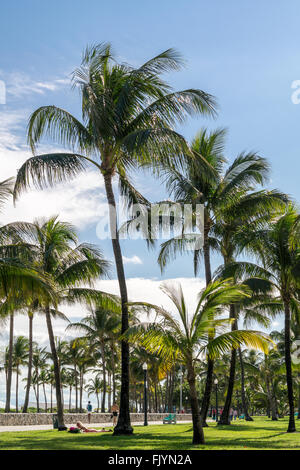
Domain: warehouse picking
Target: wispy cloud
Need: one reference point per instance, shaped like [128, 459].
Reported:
[80, 201]
[19, 85]
[133, 260]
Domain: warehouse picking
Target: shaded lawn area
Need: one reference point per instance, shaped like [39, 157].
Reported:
[260, 434]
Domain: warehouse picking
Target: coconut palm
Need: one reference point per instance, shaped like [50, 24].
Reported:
[187, 339]
[277, 248]
[39, 362]
[222, 191]
[99, 327]
[67, 265]
[20, 356]
[95, 387]
[128, 118]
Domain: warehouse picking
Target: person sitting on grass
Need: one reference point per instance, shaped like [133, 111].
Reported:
[84, 429]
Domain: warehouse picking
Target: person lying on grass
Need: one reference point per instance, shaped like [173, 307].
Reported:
[84, 429]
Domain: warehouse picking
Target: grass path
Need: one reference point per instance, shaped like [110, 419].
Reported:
[260, 434]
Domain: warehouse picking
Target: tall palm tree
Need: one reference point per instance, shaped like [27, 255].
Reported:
[94, 387]
[128, 118]
[187, 339]
[20, 356]
[39, 362]
[68, 266]
[277, 248]
[100, 327]
[29, 366]
[19, 280]
[222, 191]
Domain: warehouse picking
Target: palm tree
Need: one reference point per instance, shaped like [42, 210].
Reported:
[222, 193]
[187, 339]
[29, 366]
[95, 386]
[67, 265]
[277, 248]
[20, 356]
[19, 280]
[100, 327]
[39, 362]
[128, 118]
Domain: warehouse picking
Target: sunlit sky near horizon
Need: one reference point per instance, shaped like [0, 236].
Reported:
[245, 53]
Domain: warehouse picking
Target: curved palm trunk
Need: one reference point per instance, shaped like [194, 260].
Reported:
[29, 371]
[123, 425]
[60, 411]
[10, 362]
[198, 435]
[225, 419]
[243, 394]
[288, 364]
[210, 362]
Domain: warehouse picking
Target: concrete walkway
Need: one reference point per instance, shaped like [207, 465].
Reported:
[45, 427]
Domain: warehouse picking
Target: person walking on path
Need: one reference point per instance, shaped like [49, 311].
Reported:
[115, 411]
[89, 410]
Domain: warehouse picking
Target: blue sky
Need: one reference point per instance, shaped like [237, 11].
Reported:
[245, 53]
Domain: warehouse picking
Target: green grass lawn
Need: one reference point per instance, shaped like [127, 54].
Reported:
[260, 434]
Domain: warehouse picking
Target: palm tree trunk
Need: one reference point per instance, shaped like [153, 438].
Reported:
[17, 390]
[123, 425]
[76, 388]
[26, 401]
[113, 374]
[225, 419]
[80, 390]
[210, 362]
[243, 394]
[288, 363]
[10, 362]
[60, 411]
[37, 392]
[198, 435]
[104, 379]
[45, 397]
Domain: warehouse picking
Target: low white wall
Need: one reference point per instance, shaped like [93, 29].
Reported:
[20, 419]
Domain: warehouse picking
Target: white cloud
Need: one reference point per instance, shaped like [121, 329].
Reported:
[81, 201]
[139, 290]
[19, 85]
[133, 260]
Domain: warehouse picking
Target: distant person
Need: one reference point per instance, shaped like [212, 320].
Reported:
[115, 411]
[231, 414]
[235, 413]
[89, 410]
[84, 429]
